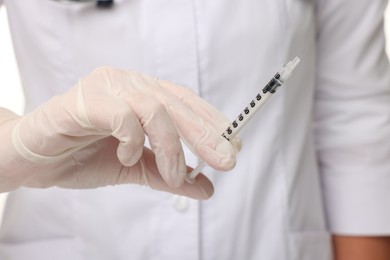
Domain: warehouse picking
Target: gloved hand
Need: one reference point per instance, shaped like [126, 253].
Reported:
[94, 135]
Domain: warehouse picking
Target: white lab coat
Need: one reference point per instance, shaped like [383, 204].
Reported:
[316, 157]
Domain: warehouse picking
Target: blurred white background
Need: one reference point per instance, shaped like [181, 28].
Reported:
[11, 95]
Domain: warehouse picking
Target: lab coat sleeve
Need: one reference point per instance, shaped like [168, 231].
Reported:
[352, 116]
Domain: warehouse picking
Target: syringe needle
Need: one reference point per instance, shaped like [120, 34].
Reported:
[278, 80]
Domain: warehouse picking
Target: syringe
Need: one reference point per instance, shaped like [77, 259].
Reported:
[278, 80]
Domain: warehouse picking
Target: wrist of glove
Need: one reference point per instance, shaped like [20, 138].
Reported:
[94, 136]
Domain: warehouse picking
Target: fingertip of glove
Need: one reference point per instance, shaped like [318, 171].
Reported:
[128, 158]
[173, 177]
[204, 186]
[172, 168]
[236, 143]
[227, 155]
[175, 181]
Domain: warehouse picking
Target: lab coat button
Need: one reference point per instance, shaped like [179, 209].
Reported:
[180, 203]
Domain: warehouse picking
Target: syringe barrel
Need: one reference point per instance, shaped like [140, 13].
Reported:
[243, 118]
[278, 80]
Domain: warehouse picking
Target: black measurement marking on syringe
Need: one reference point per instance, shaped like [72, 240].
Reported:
[229, 131]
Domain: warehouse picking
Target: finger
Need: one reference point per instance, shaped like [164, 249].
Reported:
[200, 137]
[98, 166]
[202, 108]
[156, 123]
[110, 114]
[146, 173]
[166, 145]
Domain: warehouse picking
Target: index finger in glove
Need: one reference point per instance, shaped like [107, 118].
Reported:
[199, 135]
[202, 108]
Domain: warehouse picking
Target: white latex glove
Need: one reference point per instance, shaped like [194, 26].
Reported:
[94, 135]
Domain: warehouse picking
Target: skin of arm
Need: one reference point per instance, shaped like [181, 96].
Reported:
[361, 248]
